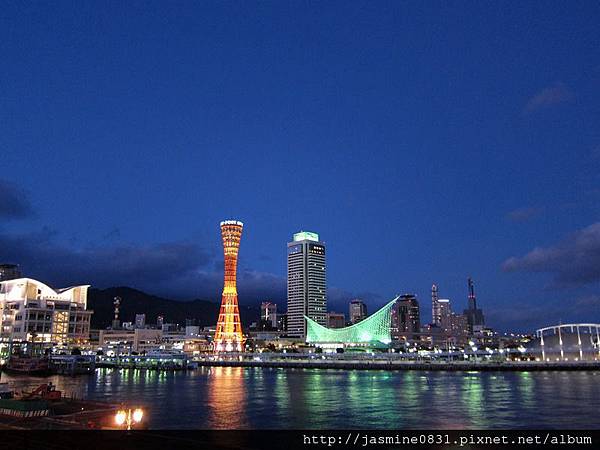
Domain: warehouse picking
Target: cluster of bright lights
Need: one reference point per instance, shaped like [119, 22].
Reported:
[129, 417]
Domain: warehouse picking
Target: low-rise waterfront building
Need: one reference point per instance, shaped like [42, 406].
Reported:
[31, 311]
[138, 340]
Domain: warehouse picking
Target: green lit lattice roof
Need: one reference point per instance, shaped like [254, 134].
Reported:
[374, 329]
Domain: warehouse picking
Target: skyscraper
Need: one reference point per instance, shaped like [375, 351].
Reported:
[474, 315]
[306, 283]
[445, 309]
[358, 311]
[407, 317]
[436, 317]
[268, 313]
[228, 335]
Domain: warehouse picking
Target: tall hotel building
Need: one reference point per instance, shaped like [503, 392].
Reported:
[306, 286]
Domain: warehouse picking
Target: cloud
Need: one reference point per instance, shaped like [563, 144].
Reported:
[524, 214]
[178, 270]
[41, 256]
[547, 97]
[575, 261]
[14, 202]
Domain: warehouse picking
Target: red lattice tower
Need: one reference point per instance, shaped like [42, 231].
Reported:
[229, 337]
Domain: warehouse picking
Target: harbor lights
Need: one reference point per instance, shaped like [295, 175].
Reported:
[128, 417]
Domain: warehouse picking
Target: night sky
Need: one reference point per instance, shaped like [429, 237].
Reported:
[424, 141]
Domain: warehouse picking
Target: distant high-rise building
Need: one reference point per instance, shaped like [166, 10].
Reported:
[9, 272]
[140, 320]
[336, 320]
[268, 313]
[282, 322]
[474, 315]
[436, 318]
[453, 326]
[445, 309]
[358, 311]
[306, 283]
[160, 320]
[407, 317]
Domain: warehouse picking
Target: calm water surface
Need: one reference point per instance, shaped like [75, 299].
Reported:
[235, 397]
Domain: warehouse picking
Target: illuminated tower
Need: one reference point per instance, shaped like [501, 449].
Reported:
[228, 336]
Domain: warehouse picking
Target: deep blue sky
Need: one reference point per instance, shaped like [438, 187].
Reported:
[424, 141]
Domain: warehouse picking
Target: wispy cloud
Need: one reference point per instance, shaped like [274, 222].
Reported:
[575, 261]
[14, 202]
[524, 214]
[559, 93]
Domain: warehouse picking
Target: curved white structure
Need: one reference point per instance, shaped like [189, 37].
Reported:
[580, 340]
[32, 311]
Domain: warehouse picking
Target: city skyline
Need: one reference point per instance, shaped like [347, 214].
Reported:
[422, 144]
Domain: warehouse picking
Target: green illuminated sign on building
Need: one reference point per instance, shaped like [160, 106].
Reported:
[306, 236]
[375, 329]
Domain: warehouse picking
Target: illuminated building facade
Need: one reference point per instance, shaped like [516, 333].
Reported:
[454, 327]
[34, 312]
[374, 331]
[228, 335]
[436, 314]
[306, 283]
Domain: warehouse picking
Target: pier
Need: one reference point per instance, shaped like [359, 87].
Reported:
[397, 364]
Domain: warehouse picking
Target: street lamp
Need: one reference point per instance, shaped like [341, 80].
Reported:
[127, 417]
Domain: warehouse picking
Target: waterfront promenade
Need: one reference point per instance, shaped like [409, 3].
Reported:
[386, 362]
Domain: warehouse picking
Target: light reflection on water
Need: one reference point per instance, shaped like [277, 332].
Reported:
[234, 397]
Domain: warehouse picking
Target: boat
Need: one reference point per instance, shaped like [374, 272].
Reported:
[28, 365]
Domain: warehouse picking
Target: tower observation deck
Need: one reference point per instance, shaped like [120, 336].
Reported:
[228, 336]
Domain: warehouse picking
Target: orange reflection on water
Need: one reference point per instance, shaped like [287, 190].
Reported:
[227, 398]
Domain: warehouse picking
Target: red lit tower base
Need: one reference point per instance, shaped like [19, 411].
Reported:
[228, 336]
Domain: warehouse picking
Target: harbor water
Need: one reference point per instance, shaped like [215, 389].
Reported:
[249, 398]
